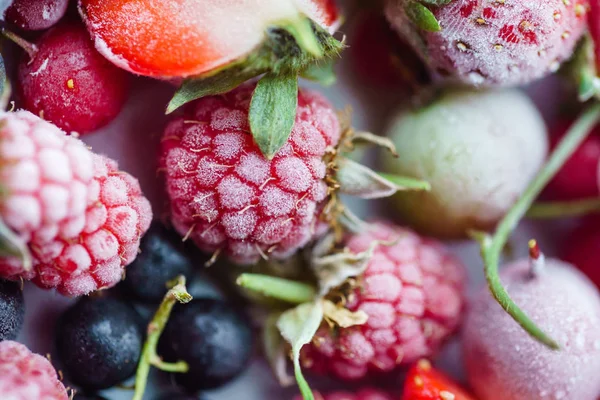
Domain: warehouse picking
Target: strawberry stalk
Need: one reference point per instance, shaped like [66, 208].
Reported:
[491, 246]
[177, 293]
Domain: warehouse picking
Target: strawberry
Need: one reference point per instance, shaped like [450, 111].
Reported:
[425, 383]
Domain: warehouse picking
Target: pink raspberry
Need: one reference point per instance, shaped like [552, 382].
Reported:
[116, 217]
[412, 292]
[25, 375]
[227, 197]
[489, 42]
[364, 394]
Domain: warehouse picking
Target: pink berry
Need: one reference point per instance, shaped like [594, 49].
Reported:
[578, 177]
[26, 376]
[227, 197]
[581, 248]
[484, 42]
[504, 363]
[34, 15]
[80, 216]
[69, 83]
[412, 292]
[364, 394]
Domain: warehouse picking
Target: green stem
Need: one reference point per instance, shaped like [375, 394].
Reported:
[491, 247]
[562, 209]
[302, 31]
[278, 288]
[177, 293]
[30, 48]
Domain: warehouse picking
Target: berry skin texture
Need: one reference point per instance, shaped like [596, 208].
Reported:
[25, 375]
[491, 43]
[364, 394]
[412, 292]
[477, 149]
[578, 177]
[227, 197]
[34, 15]
[69, 83]
[12, 310]
[212, 337]
[425, 383]
[162, 258]
[124, 31]
[116, 216]
[99, 342]
[504, 363]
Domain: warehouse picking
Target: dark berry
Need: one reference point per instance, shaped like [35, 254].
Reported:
[162, 258]
[212, 337]
[69, 83]
[578, 177]
[99, 342]
[582, 249]
[88, 397]
[33, 15]
[12, 310]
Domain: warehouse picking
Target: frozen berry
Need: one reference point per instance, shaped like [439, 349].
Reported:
[91, 252]
[162, 258]
[425, 383]
[413, 294]
[33, 15]
[69, 83]
[27, 376]
[227, 197]
[504, 363]
[578, 177]
[214, 34]
[12, 310]
[214, 339]
[478, 150]
[364, 394]
[494, 42]
[99, 342]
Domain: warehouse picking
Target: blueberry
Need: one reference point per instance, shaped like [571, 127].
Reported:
[12, 310]
[212, 337]
[99, 341]
[162, 258]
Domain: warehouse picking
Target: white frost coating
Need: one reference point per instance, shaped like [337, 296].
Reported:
[42, 67]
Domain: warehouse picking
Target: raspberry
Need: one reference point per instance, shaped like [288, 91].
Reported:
[25, 375]
[45, 177]
[496, 42]
[227, 197]
[412, 292]
[364, 394]
[116, 217]
[33, 15]
[69, 83]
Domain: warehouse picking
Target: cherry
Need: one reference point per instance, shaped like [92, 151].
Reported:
[69, 83]
[581, 249]
[33, 15]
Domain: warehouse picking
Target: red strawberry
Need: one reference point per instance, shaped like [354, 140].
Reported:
[425, 383]
[483, 42]
[195, 36]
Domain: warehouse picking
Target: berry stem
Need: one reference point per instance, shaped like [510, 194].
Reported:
[491, 247]
[563, 209]
[177, 293]
[301, 29]
[278, 288]
[30, 48]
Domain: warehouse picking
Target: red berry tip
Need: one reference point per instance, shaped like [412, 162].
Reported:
[534, 249]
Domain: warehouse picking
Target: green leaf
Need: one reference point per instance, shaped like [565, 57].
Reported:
[406, 183]
[13, 246]
[221, 82]
[302, 31]
[278, 288]
[582, 69]
[298, 327]
[320, 72]
[275, 350]
[273, 111]
[421, 16]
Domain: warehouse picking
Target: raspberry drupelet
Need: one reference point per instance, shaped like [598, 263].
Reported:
[412, 293]
[227, 197]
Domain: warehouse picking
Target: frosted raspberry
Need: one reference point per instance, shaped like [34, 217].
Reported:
[116, 217]
[488, 42]
[364, 394]
[412, 292]
[45, 178]
[226, 196]
[25, 375]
